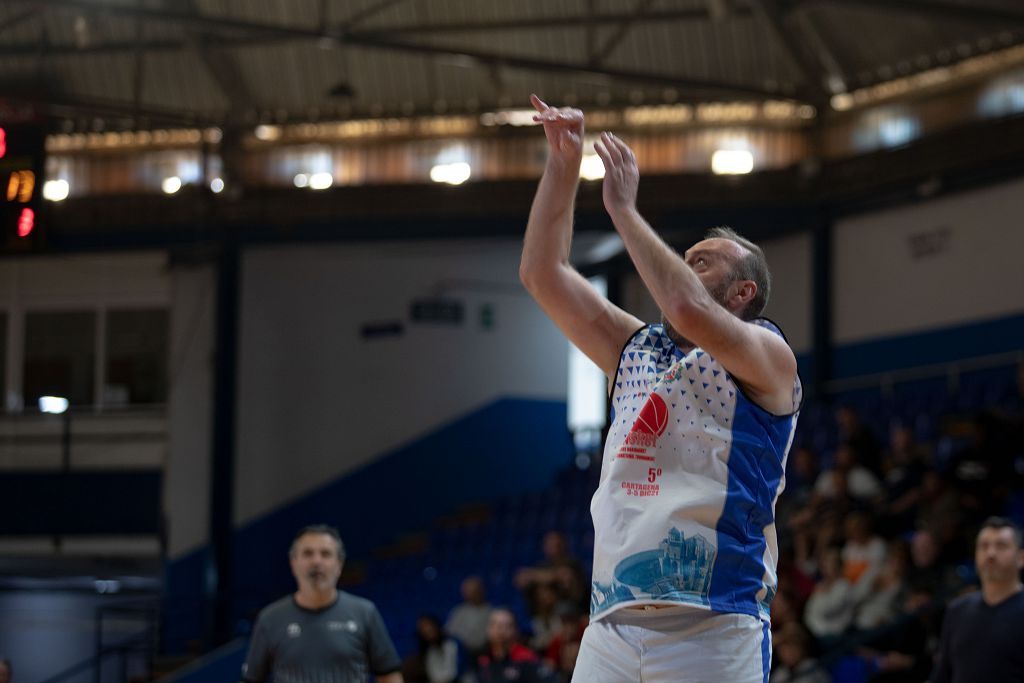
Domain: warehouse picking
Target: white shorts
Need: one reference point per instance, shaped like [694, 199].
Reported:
[674, 645]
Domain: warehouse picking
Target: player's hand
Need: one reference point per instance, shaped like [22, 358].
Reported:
[621, 174]
[563, 127]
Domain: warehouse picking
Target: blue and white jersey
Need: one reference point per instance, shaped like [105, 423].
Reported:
[685, 511]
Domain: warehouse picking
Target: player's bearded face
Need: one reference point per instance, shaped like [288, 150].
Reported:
[719, 291]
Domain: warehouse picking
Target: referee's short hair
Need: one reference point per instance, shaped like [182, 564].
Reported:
[325, 529]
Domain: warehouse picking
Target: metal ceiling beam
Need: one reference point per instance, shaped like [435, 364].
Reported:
[386, 42]
[604, 52]
[19, 18]
[229, 23]
[72, 106]
[933, 8]
[221, 65]
[811, 70]
[547, 66]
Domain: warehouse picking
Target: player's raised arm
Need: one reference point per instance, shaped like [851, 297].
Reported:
[591, 322]
[702, 296]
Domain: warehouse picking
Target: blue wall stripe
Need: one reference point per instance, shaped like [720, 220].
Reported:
[1001, 335]
[509, 447]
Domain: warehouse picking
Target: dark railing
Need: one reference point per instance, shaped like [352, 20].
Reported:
[140, 648]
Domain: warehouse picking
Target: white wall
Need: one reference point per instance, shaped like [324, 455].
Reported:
[316, 400]
[947, 261]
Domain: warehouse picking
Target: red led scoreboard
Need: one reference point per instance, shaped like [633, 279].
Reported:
[22, 164]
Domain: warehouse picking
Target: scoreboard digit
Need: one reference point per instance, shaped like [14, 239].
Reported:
[22, 164]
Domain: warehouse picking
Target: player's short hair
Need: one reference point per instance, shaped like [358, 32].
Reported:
[1003, 523]
[753, 267]
[325, 529]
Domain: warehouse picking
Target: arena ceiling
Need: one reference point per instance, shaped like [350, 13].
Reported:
[140, 63]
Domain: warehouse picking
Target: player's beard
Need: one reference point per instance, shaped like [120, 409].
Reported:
[719, 293]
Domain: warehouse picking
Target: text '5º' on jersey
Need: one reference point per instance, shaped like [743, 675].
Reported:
[685, 510]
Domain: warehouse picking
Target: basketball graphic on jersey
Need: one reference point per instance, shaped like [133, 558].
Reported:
[653, 417]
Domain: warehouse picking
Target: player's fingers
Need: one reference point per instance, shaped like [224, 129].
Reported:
[623, 148]
[602, 152]
[538, 103]
[614, 153]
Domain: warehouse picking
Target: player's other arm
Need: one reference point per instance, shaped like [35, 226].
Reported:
[761, 360]
[591, 322]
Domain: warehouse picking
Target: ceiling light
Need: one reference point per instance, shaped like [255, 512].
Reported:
[171, 185]
[56, 190]
[732, 162]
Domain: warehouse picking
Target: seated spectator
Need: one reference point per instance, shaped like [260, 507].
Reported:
[939, 512]
[903, 466]
[929, 575]
[505, 659]
[863, 442]
[861, 483]
[793, 656]
[863, 553]
[883, 602]
[468, 620]
[829, 611]
[560, 655]
[5, 671]
[558, 569]
[544, 621]
[437, 657]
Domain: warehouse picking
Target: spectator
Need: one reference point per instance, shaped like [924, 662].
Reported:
[468, 620]
[437, 657]
[882, 603]
[5, 670]
[861, 440]
[564, 645]
[939, 510]
[793, 654]
[829, 610]
[558, 569]
[903, 465]
[862, 484]
[981, 634]
[506, 659]
[863, 553]
[544, 622]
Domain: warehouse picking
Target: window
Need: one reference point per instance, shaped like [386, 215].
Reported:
[136, 358]
[60, 352]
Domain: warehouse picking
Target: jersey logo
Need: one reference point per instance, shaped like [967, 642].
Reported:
[649, 425]
[294, 630]
[349, 626]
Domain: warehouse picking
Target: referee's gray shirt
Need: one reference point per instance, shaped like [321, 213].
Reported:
[340, 643]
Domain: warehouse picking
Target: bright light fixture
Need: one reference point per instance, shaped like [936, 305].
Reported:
[171, 185]
[268, 133]
[301, 180]
[53, 404]
[320, 181]
[452, 174]
[217, 185]
[592, 167]
[732, 162]
[56, 190]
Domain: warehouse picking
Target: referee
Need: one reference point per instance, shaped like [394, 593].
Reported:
[320, 634]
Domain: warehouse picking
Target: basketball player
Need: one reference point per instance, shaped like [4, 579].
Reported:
[703, 408]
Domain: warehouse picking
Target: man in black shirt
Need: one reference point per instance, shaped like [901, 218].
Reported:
[981, 634]
[320, 634]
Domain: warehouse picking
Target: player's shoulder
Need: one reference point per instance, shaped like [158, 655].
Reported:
[771, 326]
[652, 336]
